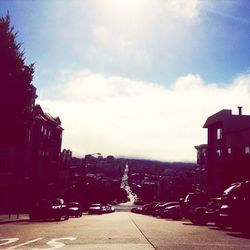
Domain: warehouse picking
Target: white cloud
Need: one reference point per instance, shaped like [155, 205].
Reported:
[121, 116]
[127, 31]
[182, 9]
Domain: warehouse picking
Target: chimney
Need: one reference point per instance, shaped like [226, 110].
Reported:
[240, 110]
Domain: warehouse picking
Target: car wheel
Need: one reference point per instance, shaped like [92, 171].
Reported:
[245, 229]
[199, 217]
[33, 217]
[200, 220]
[66, 217]
[58, 218]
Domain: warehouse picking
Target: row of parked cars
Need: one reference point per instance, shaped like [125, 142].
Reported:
[230, 209]
[98, 208]
[55, 209]
[170, 210]
[58, 209]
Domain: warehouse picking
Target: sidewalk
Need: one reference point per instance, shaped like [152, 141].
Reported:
[9, 218]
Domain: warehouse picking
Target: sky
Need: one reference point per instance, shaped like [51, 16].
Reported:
[136, 78]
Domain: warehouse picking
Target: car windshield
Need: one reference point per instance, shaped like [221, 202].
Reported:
[95, 205]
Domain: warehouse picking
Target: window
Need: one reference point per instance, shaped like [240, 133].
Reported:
[247, 150]
[219, 133]
[29, 135]
[218, 152]
[229, 151]
[42, 128]
[204, 152]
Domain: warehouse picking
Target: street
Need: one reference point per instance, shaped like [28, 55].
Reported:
[119, 230]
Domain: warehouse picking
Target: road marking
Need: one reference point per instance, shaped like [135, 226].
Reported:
[141, 232]
[25, 243]
[109, 247]
[55, 244]
[8, 241]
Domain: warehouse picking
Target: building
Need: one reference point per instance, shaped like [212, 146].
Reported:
[200, 170]
[228, 149]
[45, 153]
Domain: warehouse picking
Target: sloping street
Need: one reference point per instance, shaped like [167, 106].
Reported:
[119, 230]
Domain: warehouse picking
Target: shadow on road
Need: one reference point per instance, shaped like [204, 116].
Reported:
[13, 221]
[239, 235]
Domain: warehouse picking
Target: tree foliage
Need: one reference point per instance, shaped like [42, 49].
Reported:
[17, 94]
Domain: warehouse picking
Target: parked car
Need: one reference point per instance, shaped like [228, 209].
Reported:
[191, 202]
[109, 208]
[104, 209]
[208, 213]
[155, 207]
[235, 206]
[140, 210]
[159, 209]
[151, 207]
[49, 209]
[172, 212]
[75, 209]
[95, 208]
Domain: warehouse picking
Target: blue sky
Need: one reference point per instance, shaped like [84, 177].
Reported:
[100, 63]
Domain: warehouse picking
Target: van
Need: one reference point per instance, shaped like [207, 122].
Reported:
[235, 207]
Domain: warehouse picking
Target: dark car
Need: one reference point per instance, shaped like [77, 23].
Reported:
[107, 208]
[172, 212]
[75, 209]
[209, 213]
[95, 208]
[191, 202]
[156, 207]
[49, 209]
[140, 210]
[149, 209]
[235, 207]
[159, 209]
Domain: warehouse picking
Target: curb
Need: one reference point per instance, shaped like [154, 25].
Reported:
[10, 218]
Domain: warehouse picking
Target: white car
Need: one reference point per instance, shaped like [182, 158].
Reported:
[95, 208]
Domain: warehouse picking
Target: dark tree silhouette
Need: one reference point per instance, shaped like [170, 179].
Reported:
[17, 94]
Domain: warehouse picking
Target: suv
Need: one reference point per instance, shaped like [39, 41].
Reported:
[49, 209]
[191, 202]
[235, 207]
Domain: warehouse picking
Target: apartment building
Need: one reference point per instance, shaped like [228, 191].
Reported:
[228, 149]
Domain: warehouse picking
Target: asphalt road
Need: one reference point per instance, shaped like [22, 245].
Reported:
[118, 231]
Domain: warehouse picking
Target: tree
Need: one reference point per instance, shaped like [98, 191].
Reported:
[17, 94]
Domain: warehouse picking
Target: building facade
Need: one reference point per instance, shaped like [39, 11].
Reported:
[31, 169]
[45, 153]
[228, 149]
[200, 170]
